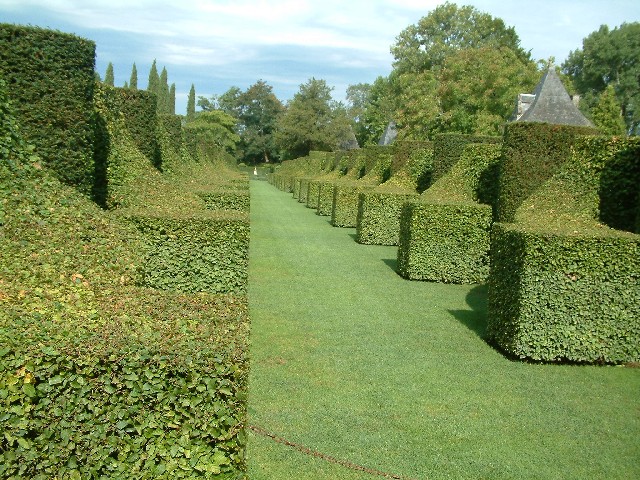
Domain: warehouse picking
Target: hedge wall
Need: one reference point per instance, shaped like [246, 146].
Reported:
[563, 285]
[50, 77]
[207, 253]
[378, 218]
[532, 153]
[226, 200]
[377, 169]
[100, 378]
[444, 237]
[346, 162]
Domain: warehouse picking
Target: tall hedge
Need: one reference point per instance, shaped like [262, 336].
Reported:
[447, 148]
[50, 77]
[563, 284]
[532, 153]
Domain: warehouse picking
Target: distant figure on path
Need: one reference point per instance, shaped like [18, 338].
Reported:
[255, 171]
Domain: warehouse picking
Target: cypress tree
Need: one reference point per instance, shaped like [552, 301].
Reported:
[172, 99]
[126, 84]
[133, 81]
[163, 92]
[108, 77]
[607, 113]
[154, 79]
[191, 103]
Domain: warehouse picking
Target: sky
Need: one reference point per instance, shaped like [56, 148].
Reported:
[217, 44]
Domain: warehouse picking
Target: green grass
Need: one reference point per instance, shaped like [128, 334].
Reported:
[350, 360]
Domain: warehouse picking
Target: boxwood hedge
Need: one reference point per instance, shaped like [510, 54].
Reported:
[50, 77]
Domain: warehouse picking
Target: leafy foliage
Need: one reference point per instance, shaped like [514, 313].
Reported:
[52, 94]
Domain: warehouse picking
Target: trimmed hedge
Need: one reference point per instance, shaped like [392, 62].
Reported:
[227, 200]
[563, 285]
[378, 219]
[447, 148]
[345, 164]
[445, 236]
[50, 78]
[569, 297]
[377, 168]
[532, 153]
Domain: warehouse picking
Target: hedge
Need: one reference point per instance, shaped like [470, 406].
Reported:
[376, 167]
[50, 78]
[444, 236]
[532, 153]
[378, 219]
[447, 148]
[333, 170]
[345, 164]
[100, 378]
[564, 285]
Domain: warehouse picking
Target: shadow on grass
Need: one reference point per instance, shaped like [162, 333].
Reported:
[392, 263]
[476, 318]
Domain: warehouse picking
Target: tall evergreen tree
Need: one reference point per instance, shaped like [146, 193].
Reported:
[154, 79]
[607, 113]
[191, 103]
[108, 76]
[126, 84]
[133, 81]
[163, 92]
[172, 99]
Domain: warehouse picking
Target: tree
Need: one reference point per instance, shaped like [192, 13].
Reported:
[382, 108]
[133, 80]
[258, 110]
[609, 57]
[154, 79]
[172, 99]
[478, 87]
[214, 129]
[108, 76]
[419, 106]
[311, 121]
[607, 113]
[358, 97]
[163, 92]
[448, 28]
[228, 102]
[191, 103]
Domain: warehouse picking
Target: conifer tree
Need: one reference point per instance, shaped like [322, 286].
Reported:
[133, 81]
[607, 113]
[154, 79]
[172, 99]
[108, 76]
[126, 84]
[163, 92]
[191, 103]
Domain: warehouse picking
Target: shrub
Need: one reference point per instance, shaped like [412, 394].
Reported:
[563, 285]
[378, 219]
[346, 162]
[444, 236]
[447, 148]
[50, 77]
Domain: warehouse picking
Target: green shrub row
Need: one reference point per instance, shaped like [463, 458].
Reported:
[563, 285]
[345, 163]
[445, 235]
[447, 148]
[227, 200]
[378, 219]
[376, 166]
[50, 77]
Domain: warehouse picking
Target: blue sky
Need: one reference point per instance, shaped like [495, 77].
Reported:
[216, 44]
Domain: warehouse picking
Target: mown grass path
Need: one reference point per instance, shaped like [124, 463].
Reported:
[353, 362]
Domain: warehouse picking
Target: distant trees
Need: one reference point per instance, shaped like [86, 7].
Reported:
[609, 58]
[133, 80]
[191, 103]
[108, 76]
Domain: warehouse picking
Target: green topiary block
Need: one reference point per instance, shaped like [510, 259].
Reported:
[573, 297]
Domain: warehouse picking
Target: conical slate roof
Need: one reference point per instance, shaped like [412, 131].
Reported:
[389, 135]
[553, 104]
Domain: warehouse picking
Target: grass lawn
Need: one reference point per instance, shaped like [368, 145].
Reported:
[352, 361]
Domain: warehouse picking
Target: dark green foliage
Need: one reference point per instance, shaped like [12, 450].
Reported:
[154, 79]
[172, 124]
[108, 76]
[191, 103]
[444, 242]
[203, 254]
[376, 168]
[565, 297]
[563, 285]
[378, 220]
[50, 77]
[233, 200]
[133, 81]
[532, 153]
[447, 148]
[444, 236]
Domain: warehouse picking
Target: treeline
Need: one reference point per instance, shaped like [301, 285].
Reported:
[457, 70]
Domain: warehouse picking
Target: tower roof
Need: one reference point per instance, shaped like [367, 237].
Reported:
[553, 104]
